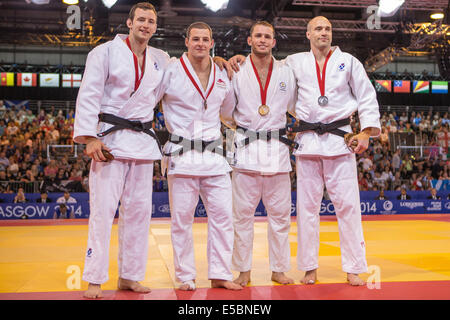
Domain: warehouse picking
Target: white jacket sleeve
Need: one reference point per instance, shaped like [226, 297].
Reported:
[293, 92]
[228, 106]
[91, 93]
[364, 92]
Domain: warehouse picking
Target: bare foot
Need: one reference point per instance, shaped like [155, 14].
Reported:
[230, 285]
[124, 284]
[281, 278]
[310, 277]
[243, 279]
[94, 291]
[354, 280]
[188, 285]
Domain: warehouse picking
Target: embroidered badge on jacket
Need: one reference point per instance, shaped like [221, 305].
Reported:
[221, 84]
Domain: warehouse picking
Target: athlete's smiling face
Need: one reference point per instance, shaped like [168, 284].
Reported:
[143, 25]
[199, 43]
[261, 40]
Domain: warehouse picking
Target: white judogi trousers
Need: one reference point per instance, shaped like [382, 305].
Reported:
[275, 192]
[129, 181]
[339, 174]
[215, 192]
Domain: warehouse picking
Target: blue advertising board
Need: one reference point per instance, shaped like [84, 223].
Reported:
[161, 207]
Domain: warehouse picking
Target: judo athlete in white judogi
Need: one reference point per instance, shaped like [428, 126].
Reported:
[265, 88]
[119, 84]
[196, 95]
[332, 85]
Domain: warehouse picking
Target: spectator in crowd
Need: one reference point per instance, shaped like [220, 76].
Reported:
[362, 182]
[20, 197]
[24, 148]
[66, 198]
[403, 195]
[159, 181]
[63, 212]
[44, 198]
[12, 128]
[396, 161]
[416, 182]
[378, 181]
[381, 196]
[51, 168]
[4, 161]
[2, 126]
[433, 195]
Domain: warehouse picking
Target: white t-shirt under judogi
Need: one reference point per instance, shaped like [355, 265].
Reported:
[107, 87]
[186, 116]
[262, 155]
[348, 90]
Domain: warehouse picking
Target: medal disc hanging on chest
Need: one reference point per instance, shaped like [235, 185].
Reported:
[205, 103]
[323, 101]
[263, 110]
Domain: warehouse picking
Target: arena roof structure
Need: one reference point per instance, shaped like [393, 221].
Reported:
[411, 29]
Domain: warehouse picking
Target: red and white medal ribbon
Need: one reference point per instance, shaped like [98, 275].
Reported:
[323, 100]
[137, 80]
[263, 109]
[195, 83]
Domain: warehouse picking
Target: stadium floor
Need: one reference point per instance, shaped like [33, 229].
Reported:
[409, 254]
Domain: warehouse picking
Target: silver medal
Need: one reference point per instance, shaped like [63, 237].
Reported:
[323, 101]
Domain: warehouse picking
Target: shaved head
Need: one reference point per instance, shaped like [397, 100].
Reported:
[314, 20]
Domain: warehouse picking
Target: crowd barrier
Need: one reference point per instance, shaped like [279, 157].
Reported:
[33, 210]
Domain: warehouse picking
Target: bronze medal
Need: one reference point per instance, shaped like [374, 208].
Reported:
[263, 109]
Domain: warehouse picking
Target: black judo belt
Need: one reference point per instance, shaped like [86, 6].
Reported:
[120, 123]
[321, 128]
[266, 135]
[214, 146]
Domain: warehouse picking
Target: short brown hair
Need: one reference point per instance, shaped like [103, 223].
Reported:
[262, 23]
[198, 25]
[143, 6]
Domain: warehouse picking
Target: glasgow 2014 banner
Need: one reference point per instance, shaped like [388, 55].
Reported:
[161, 208]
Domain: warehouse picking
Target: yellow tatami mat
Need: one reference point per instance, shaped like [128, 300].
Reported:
[45, 258]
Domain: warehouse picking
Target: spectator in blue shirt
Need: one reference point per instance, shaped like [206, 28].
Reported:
[63, 212]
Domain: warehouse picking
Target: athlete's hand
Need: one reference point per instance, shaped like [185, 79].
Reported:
[359, 142]
[222, 63]
[94, 149]
[236, 61]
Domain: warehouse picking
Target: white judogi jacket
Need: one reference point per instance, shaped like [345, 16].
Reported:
[265, 157]
[186, 116]
[107, 84]
[348, 90]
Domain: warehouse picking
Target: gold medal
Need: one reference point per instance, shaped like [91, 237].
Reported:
[263, 110]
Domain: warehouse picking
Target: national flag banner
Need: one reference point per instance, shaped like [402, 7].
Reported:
[26, 79]
[383, 85]
[402, 86]
[421, 86]
[439, 87]
[17, 104]
[7, 79]
[71, 80]
[49, 80]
